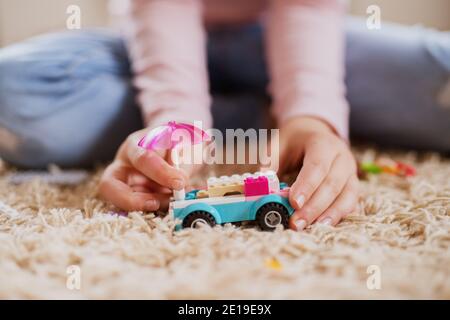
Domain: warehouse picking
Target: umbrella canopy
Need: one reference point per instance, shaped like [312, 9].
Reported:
[169, 136]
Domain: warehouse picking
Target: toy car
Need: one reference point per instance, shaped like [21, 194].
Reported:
[229, 199]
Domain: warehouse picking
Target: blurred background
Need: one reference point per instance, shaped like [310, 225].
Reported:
[20, 19]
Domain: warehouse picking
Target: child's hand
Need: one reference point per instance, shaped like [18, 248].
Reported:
[140, 180]
[326, 189]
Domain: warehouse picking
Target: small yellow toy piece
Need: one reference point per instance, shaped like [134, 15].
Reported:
[274, 264]
[388, 165]
[219, 187]
[220, 191]
[202, 194]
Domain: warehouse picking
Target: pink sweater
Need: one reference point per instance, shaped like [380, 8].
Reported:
[166, 39]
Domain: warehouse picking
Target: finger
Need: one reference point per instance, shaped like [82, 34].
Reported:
[343, 205]
[137, 188]
[152, 165]
[113, 189]
[138, 182]
[325, 194]
[162, 196]
[164, 200]
[317, 162]
[135, 178]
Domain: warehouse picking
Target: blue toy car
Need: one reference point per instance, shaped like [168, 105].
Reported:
[259, 197]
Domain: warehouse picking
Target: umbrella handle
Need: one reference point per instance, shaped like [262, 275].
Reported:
[175, 158]
[177, 194]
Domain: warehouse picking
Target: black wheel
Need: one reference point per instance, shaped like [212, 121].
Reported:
[270, 215]
[197, 218]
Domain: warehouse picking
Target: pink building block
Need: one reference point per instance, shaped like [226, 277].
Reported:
[256, 186]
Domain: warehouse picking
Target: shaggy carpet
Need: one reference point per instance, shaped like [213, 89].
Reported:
[397, 247]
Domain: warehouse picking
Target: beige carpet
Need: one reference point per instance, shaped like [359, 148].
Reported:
[404, 230]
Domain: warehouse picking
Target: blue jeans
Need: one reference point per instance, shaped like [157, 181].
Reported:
[67, 98]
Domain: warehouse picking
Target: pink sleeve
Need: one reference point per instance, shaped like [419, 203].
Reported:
[166, 41]
[305, 53]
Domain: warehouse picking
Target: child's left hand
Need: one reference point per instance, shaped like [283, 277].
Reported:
[326, 189]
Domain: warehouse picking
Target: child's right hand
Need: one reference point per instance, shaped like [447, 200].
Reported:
[140, 180]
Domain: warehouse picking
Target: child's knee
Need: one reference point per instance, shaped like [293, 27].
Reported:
[21, 151]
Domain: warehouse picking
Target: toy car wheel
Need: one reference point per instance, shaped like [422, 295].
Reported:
[272, 215]
[197, 218]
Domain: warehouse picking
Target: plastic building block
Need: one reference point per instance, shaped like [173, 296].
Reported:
[274, 264]
[256, 186]
[220, 191]
[274, 182]
[225, 180]
[202, 194]
[179, 194]
[219, 187]
[283, 185]
[405, 169]
[369, 167]
[385, 165]
[390, 170]
[235, 184]
[191, 195]
[258, 197]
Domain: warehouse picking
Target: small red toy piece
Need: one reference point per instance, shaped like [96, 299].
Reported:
[406, 170]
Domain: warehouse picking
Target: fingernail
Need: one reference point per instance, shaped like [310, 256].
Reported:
[326, 221]
[151, 205]
[177, 184]
[300, 200]
[300, 224]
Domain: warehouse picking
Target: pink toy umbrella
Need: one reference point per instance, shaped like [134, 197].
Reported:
[171, 137]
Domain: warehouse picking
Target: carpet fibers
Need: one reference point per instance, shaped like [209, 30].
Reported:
[397, 247]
